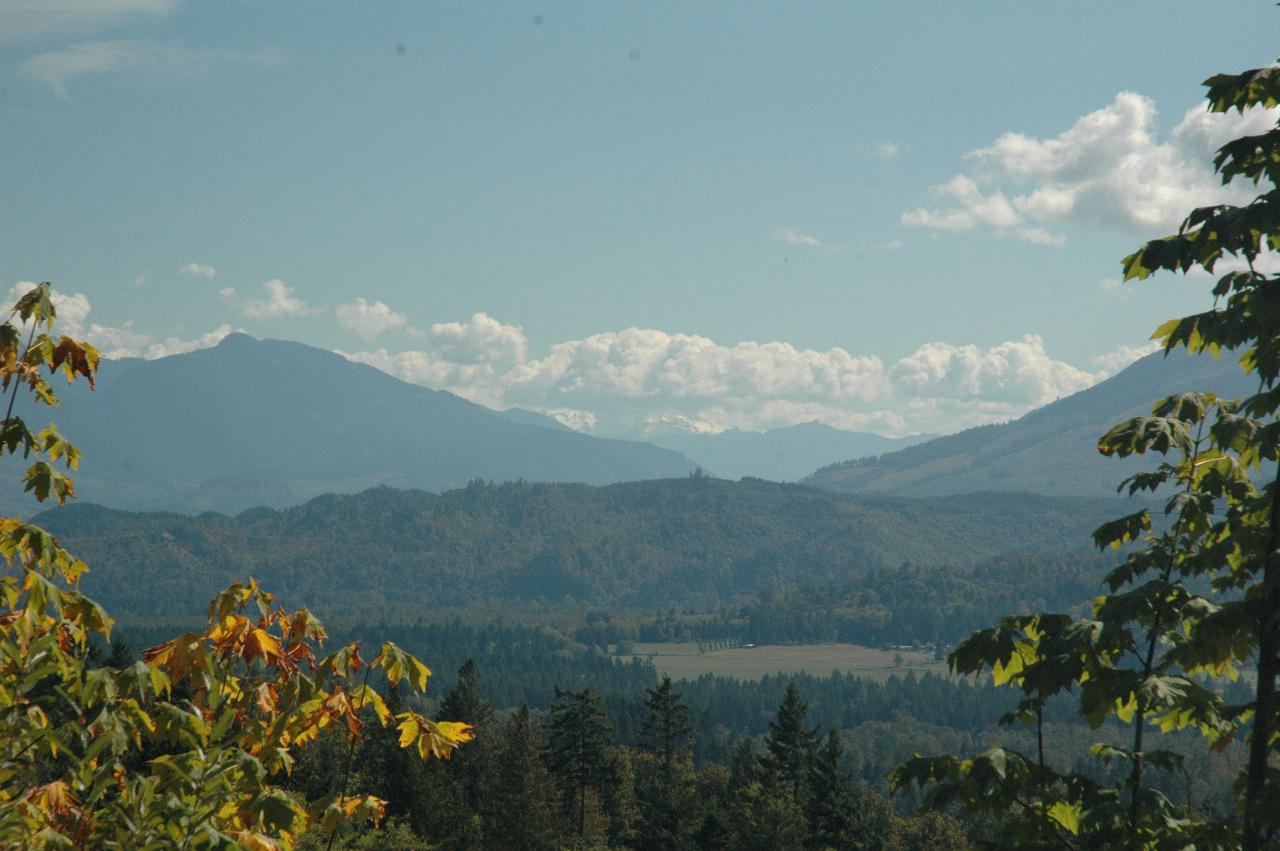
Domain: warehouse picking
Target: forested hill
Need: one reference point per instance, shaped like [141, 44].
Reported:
[1052, 450]
[269, 422]
[691, 541]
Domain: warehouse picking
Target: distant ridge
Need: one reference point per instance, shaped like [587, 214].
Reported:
[780, 454]
[635, 545]
[1051, 451]
[268, 422]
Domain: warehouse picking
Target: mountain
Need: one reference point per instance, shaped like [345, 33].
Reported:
[524, 415]
[692, 541]
[267, 422]
[1052, 450]
[780, 454]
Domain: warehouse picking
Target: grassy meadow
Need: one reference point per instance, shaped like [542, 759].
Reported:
[684, 660]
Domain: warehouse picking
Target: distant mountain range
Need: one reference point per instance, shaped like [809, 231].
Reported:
[1052, 450]
[780, 454]
[697, 541]
[273, 423]
[266, 422]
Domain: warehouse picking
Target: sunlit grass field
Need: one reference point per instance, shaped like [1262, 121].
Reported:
[684, 661]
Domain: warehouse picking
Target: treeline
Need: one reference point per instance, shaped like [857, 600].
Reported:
[805, 769]
[560, 779]
[525, 664]
[885, 721]
[892, 605]
[697, 542]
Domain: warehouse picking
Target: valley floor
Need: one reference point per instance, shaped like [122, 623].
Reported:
[688, 660]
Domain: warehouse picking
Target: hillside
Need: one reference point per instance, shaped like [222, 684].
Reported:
[267, 422]
[780, 454]
[689, 541]
[1051, 451]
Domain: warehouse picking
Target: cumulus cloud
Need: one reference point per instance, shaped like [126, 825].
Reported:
[278, 301]
[481, 339]
[1109, 170]
[791, 236]
[114, 342]
[171, 59]
[199, 270]
[368, 319]
[125, 342]
[1018, 372]
[1111, 362]
[643, 380]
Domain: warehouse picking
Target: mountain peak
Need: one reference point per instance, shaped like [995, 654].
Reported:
[273, 422]
[236, 338]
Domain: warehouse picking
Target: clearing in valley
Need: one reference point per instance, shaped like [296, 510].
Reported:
[684, 660]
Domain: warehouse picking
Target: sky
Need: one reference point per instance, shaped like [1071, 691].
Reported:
[634, 216]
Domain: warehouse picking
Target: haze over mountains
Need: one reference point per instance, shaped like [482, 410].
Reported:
[1052, 450]
[780, 454]
[267, 422]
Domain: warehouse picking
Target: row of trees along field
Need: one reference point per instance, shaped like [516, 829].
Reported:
[1197, 596]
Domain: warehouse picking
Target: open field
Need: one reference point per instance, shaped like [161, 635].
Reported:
[683, 661]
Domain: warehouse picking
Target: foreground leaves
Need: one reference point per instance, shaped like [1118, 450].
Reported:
[179, 750]
[1197, 596]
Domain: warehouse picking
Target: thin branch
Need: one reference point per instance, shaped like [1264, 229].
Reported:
[351, 750]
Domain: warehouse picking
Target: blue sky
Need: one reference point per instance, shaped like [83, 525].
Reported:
[887, 216]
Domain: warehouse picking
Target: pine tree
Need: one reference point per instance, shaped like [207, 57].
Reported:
[665, 731]
[464, 700]
[829, 815]
[461, 827]
[667, 735]
[789, 747]
[578, 751]
[743, 765]
[524, 796]
[464, 703]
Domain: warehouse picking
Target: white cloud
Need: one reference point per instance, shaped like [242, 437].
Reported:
[641, 380]
[111, 341]
[480, 340]
[1108, 170]
[125, 342]
[887, 150]
[32, 18]
[368, 319]
[1018, 372]
[171, 59]
[278, 302]
[199, 270]
[1121, 356]
[790, 236]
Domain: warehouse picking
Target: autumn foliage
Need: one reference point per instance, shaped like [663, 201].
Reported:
[182, 748]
